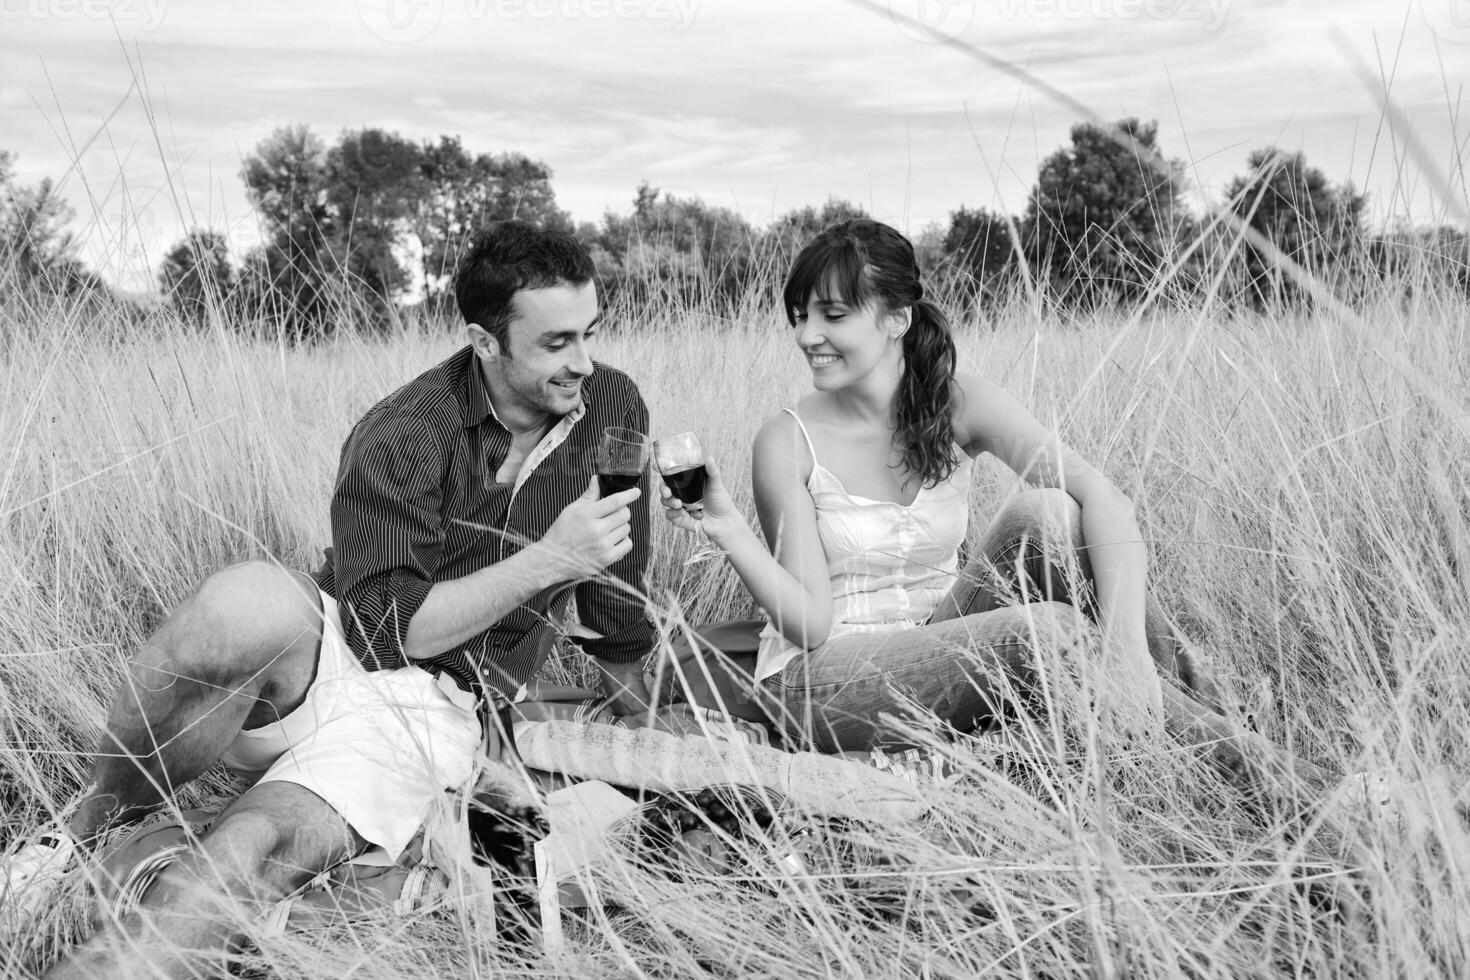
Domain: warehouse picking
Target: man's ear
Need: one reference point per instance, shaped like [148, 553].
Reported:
[487, 348]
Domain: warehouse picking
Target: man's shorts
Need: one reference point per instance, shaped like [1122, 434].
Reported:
[380, 747]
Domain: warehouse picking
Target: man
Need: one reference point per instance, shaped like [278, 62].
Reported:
[465, 506]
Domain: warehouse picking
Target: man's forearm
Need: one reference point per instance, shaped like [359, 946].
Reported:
[463, 608]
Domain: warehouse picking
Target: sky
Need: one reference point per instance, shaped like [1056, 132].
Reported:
[142, 110]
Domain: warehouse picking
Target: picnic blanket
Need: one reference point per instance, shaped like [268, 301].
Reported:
[660, 762]
[607, 765]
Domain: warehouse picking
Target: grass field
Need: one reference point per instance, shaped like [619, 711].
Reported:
[1305, 495]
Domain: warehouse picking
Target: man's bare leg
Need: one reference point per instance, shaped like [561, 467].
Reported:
[240, 652]
[268, 843]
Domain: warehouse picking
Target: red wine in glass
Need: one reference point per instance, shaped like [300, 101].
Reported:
[687, 484]
[680, 459]
[622, 456]
[611, 483]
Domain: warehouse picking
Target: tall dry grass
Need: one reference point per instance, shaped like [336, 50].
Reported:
[1307, 515]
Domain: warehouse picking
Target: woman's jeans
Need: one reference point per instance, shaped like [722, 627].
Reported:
[1018, 620]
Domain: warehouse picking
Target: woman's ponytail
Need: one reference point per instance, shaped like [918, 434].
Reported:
[926, 395]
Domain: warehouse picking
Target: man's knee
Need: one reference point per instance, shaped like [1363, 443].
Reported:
[242, 620]
[254, 855]
[258, 596]
[230, 860]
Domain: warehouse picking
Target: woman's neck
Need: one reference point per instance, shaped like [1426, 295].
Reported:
[873, 399]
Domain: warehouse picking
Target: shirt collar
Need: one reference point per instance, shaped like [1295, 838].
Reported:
[480, 406]
[557, 435]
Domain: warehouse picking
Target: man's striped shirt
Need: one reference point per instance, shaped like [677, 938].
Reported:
[416, 503]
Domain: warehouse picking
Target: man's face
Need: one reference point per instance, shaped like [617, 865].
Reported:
[548, 350]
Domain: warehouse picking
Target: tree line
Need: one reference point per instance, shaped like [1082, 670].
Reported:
[375, 221]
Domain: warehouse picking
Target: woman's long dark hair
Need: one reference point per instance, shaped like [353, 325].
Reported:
[864, 262]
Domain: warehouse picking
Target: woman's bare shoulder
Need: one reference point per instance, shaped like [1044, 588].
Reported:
[969, 385]
[976, 401]
[810, 411]
[779, 444]
[780, 425]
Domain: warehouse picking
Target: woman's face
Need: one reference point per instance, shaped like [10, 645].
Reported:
[843, 344]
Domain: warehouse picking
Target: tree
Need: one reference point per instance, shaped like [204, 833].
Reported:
[289, 276]
[1311, 221]
[36, 249]
[1447, 256]
[373, 217]
[373, 181]
[286, 179]
[196, 275]
[461, 192]
[677, 246]
[789, 232]
[523, 190]
[1103, 214]
[929, 249]
[979, 245]
[1430, 260]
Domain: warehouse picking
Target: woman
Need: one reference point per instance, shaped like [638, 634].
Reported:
[861, 490]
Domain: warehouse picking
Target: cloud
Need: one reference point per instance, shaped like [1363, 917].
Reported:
[760, 105]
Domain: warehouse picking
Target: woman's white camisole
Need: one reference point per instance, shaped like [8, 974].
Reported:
[889, 564]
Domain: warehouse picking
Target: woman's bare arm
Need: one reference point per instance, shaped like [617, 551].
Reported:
[992, 420]
[787, 573]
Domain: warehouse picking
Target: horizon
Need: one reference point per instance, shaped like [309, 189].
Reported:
[755, 108]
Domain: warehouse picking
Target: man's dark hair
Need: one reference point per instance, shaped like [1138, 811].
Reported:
[507, 257]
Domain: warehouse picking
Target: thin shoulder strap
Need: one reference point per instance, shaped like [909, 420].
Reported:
[810, 446]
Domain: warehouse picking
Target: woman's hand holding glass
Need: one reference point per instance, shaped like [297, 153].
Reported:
[680, 461]
[713, 513]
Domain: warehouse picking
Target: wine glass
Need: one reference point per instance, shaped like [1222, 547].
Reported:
[680, 461]
[622, 456]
